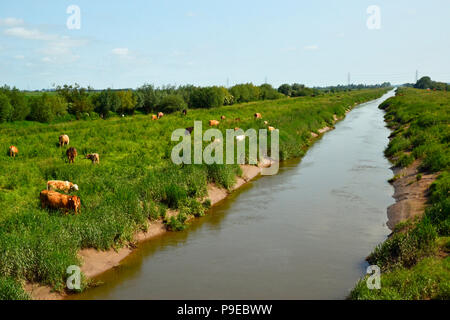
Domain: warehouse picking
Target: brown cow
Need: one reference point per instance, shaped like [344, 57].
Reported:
[160, 115]
[71, 154]
[258, 116]
[13, 151]
[237, 128]
[222, 117]
[266, 123]
[185, 112]
[154, 117]
[55, 200]
[94, 157]
[271, 128]
[65, 186]
[63, 140]
[213, 123]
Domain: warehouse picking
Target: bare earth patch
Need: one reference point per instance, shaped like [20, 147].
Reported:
[410, 194]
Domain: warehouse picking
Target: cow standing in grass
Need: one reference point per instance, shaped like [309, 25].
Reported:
[213, 123]
[258, 116]
[65, 186]
[94, 157]
[55, 200]
[13, 151]
[160, 115]
[71, 154]
[63, 140]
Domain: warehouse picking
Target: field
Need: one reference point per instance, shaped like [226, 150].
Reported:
[134, 182]
[414, 261]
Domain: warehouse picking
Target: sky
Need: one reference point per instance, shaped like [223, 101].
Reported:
[125, 44]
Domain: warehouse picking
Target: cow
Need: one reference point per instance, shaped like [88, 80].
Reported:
[13, 151]
[271, 128]
[213, 123]
[160, 115]
[63, 140]
[71, 154]
[94, 157]
[258, 116]
[154, 117]
[222, 117]
[188, 131]
[65, 186]
[237, 128]
[266, 123]
[57, 201]
[185, 112]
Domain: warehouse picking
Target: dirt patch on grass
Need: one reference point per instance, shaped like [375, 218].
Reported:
[410, 194]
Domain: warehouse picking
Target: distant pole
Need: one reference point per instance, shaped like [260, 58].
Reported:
[228, 82]
[348, 79]
[417, 75]
[265, 79]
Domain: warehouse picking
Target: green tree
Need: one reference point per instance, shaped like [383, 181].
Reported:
[20, 105]
[6, 109]
[47, 108]
[127, 102]
[208, 97]
[423, 83]
[172, 103]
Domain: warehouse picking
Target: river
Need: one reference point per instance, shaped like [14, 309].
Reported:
[301, 234]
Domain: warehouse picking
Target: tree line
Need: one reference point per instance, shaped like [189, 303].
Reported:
[70, 102]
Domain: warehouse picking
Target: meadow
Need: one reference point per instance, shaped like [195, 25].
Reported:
[414, 261]
[135, 181]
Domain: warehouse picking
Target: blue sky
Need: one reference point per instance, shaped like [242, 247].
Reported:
[124, 44]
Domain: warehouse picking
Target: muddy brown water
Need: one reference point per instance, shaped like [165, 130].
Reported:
[301, 234]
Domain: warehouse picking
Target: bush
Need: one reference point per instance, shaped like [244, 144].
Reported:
[6, 109]
[171, 103]
[208, 97]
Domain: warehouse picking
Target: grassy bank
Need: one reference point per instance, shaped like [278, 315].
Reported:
[135, 181]
[414, 261]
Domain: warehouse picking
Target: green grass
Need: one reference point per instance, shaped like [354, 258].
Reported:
[414, 260]
[135, 181]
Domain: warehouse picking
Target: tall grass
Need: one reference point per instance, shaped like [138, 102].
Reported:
[135, 181]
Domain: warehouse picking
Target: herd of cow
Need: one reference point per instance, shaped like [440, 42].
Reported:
[52, 199]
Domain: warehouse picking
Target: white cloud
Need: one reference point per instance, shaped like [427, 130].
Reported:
[19, 57]
[29, 34]
[311, 47]
[11, 22]
[120, 51]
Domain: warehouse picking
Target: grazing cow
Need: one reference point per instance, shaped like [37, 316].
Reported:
[63, 140]
[154, 117]
[271, 128]
[213, 123]
[94, 157]
[13, 151]
[160, 115]
[71, 154]
[258, 116]
[266, 123]
[185, 112]
[237, 128]
[222, 117]
[55, 200]
[65, 186]
[188, 131]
